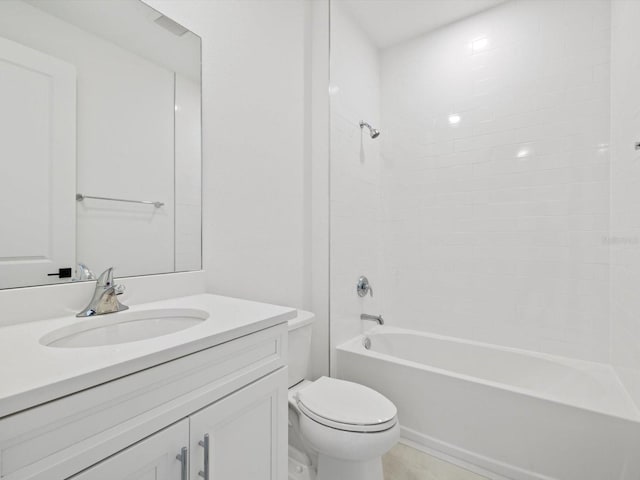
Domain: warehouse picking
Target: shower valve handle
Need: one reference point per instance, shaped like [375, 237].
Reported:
[363, 287]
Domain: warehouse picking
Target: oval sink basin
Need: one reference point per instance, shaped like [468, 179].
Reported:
[124, 327]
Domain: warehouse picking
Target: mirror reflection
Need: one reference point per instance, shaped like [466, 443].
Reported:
[100, 141]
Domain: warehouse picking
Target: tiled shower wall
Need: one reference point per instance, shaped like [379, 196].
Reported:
[625, 195]
[495, 228]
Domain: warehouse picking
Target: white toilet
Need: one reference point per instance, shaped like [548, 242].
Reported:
[343, 428]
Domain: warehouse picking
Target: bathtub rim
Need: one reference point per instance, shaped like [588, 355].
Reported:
[354, 345]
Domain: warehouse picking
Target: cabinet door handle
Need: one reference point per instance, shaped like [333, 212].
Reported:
[205, 444]
[183, 463]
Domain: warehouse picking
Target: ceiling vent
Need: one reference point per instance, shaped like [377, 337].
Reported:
[173, 27]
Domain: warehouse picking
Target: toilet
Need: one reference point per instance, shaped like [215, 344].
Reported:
[338, 430]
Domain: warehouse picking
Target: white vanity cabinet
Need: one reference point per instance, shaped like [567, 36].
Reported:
[135, 427]
[231, 439]
[248, 419]
[153, 458]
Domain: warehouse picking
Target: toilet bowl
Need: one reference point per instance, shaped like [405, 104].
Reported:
[343, 426]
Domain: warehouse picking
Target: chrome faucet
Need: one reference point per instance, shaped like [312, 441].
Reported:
[105, 297]
[375, 318]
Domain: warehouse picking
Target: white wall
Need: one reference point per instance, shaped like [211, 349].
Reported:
[494, 227]
[256, 157]
[317, 180]
[355, 176]
[117, 93]
[253, 101]
[625, 194]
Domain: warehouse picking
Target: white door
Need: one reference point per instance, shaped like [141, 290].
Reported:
[37, 166]
[247, 433]
[154, 458]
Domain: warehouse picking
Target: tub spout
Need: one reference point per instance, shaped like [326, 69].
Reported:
[375, 318]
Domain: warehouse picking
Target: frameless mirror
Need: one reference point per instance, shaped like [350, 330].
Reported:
[100, 141]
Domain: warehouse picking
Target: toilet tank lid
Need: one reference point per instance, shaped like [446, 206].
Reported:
[302, 319]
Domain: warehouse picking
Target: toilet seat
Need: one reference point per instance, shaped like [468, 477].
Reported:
[346, 406]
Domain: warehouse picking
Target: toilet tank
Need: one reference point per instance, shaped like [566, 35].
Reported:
[299, 346]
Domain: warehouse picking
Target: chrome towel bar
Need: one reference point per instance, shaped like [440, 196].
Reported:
[80, 197]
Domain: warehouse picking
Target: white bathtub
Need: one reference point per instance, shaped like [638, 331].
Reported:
[519, 414]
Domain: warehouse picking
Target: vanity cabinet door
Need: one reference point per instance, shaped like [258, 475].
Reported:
[154, 458]
[244, 434]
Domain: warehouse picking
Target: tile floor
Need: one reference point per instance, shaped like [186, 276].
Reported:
[406, 463]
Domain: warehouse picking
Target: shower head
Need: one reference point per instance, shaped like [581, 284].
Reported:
[372, 131]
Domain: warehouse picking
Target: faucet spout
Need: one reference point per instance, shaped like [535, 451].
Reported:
[105, 297]
[375, 318]
[105, 279]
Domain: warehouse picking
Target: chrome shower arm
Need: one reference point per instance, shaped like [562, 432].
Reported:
[373, 132]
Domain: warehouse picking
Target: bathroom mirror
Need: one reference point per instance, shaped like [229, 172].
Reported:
[100, 141]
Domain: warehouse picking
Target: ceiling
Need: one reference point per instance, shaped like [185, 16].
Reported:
[387, 22]
[130, 25]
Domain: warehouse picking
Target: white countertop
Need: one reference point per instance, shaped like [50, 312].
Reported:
[32, 373]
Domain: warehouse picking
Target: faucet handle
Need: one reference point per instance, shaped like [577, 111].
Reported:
[363, 287]
[119, 289]
[106, 278]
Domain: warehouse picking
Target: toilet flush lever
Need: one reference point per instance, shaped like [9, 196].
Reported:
[363, 286]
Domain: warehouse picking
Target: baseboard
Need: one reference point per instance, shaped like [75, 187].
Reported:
[485, 466]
